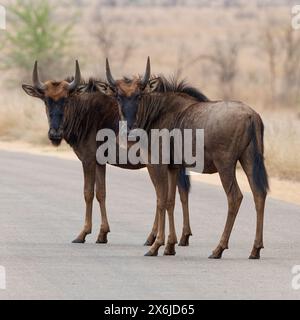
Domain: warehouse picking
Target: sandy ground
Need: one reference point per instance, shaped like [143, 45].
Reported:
[283, 190]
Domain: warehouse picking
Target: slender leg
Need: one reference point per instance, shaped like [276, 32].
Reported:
[151, 238]
[101, 197]
[186, 232]
[260, 200]
[172, 239]
[159, 177]
[89, 189]
[234, 197]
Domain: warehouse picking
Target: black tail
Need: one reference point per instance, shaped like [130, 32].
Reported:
[260, 176]
[184, 181]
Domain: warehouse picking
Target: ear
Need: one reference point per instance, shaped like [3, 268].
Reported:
[32, 91]
[104, 88]
[153, 85]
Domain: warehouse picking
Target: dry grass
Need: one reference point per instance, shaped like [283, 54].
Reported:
[282, 145]
[21, 118]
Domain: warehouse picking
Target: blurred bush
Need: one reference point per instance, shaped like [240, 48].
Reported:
[35, 34]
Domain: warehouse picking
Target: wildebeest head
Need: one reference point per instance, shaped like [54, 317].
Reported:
[128, 92]
[55, 96]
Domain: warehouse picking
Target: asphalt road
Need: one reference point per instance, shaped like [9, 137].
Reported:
[41, 211]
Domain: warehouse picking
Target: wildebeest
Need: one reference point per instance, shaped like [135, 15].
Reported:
[76, 111]
[233, 133]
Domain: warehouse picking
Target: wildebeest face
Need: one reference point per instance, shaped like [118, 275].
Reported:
[55, 96]
[55, 114]
[128, 93]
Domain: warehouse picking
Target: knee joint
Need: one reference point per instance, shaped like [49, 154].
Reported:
[100, 197]
[89, 196]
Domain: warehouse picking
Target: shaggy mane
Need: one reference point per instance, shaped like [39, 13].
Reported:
[173, 84]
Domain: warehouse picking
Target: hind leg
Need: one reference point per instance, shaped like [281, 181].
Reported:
[186, 232]
[234, 197]
[259, 199]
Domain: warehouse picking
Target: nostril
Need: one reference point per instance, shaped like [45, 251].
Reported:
[54, 134]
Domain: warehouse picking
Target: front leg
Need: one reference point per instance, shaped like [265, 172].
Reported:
[172, 239]
[89, 170]
[101, 197]
[159, 177]
[152, 236]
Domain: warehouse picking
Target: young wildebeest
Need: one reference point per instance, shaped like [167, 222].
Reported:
[233, 132]
[76, 112]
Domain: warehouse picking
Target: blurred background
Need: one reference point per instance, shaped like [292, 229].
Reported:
[229, 49]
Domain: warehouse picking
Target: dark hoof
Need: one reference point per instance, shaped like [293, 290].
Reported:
[152, 254]
[170, 250]
[150, 241]
[255, 254]
[254, 257]
[215, 256]
[218, 253]
[78, 241]
[184, 241]
[102, 239]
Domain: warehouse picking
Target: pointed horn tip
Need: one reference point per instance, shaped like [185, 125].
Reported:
[78, 68]
[35, 67]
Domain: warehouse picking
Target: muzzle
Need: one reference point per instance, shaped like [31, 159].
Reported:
[55, 136]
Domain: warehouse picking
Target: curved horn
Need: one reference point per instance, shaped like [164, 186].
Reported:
[76, 82]
[38, 84]
[147, 74]
[109, 76]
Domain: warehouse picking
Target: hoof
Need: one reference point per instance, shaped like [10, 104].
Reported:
[215, 256]
[255, 254]
[150, 241]
[152, 254]
[218, 253]
[185, 241]
[254, 257]
[78, 241]
[102, 239]
[170, 250]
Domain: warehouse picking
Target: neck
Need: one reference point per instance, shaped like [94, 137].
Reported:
[164, 110]
[86, 114]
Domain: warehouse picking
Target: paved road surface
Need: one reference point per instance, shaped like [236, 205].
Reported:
[41, 211]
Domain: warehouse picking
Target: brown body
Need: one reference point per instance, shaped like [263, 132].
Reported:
[233, 133]
[76, 112]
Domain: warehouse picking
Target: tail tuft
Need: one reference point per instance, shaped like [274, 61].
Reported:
[260, 175]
